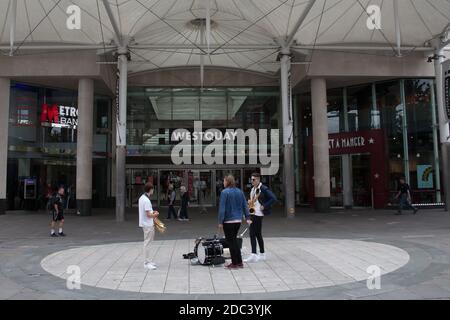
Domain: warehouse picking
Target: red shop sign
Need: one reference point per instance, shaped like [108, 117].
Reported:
[355, 142]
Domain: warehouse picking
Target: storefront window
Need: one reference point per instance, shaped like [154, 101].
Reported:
[383, 112]
[420, 139]
[304, 118]
[102, 111]
[360, 108]
[42, 144]
[391, 109]
[336, 122]
[153, 114]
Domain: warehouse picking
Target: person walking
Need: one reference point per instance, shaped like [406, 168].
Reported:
[171, 198]
[184, 204]
[146, 216]
[56, 207]
[261, 199]
[232, 208]
[404, 196]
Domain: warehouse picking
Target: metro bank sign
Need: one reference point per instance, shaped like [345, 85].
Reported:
[59, 116]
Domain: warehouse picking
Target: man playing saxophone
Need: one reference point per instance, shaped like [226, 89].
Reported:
[260, 204]
[146, 222]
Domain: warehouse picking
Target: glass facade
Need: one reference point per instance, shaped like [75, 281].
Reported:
[44, 154]
[42, 147]
[405, 112]
[154, 114]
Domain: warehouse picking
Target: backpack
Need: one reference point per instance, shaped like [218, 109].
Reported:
[50, 203]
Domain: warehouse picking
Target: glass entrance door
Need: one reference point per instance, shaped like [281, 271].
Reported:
[336, 183]
[200, 187]
[168, 179]
[136, 179]
[362, 190]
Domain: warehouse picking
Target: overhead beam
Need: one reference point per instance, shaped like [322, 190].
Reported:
[117, 33]
[275, 46]
[62, 47]
[162, 46]
[290, 37]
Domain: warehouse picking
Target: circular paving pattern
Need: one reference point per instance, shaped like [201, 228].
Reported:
[291, 264]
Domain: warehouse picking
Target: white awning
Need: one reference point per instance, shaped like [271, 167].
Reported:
[243, 34]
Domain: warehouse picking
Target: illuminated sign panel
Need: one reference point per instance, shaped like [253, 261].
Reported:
[59, 116]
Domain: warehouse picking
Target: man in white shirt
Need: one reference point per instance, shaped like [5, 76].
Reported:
[146, 215]
[263, 199]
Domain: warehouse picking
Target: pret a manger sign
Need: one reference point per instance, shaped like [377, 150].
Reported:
[58, 116]
[355, 142]
[347, 142]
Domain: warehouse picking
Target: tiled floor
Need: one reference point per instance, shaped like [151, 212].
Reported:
[292, 264]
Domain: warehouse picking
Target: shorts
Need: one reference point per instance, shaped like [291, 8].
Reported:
[57, 216]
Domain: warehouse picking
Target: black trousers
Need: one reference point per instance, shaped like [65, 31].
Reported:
[183, 212]
[231, 232]
[171, 212]
[256, 234]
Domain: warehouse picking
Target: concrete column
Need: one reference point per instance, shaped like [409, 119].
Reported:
[347, 167]
[288, 136]
[121, 138]
[444, 129]
[5, 85]
[113, 155]
[321, 152]
[85, 137]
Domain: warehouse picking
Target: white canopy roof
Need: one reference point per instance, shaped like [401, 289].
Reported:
[243, 33]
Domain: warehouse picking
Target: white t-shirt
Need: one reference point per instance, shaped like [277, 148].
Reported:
[145, 205]
[258, 211]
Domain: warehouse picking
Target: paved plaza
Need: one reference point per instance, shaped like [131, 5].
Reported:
[294, 263]
[314, 256]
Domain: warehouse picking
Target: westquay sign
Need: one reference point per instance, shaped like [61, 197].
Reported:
[58, 116]
[227, 147]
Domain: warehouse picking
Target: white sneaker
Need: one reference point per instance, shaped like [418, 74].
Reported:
[262, 256]
[149, 266]
[252, 258]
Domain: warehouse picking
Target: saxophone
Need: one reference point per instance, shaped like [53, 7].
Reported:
[159, 225]
[252, 202]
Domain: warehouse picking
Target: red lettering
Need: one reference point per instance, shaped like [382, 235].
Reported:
[50, 113]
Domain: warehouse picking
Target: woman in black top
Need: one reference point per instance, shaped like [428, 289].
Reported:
[184, 204]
